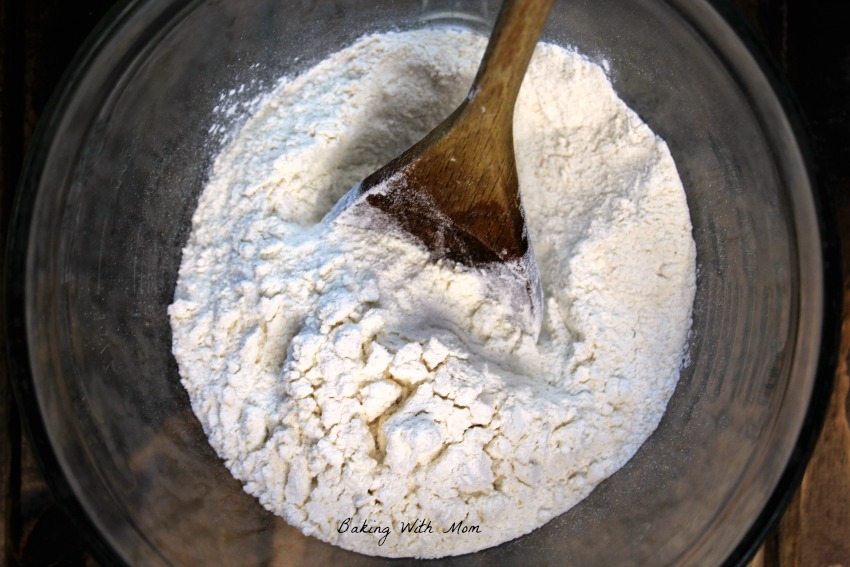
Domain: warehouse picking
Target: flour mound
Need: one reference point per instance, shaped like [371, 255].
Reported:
[356, 387]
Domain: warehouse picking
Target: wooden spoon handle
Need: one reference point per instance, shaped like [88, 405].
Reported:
[457, 189]
[512, 41]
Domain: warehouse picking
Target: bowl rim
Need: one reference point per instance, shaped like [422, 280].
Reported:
[15, 260]
[832, 308]
[12, 281]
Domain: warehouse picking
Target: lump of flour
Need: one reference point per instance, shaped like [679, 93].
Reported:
[386, 403]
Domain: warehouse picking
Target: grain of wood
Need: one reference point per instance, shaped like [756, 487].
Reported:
[784, 541]
[8, 416]
[815, 530]
[823, 528]
[758, 560]
[8, 439]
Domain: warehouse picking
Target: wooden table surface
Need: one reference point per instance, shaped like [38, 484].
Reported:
[809, 39]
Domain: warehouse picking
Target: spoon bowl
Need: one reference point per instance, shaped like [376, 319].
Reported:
[456, 191]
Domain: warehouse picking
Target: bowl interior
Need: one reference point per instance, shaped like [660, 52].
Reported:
[117, 179]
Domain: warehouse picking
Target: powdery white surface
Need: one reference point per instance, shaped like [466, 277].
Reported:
[342, 374]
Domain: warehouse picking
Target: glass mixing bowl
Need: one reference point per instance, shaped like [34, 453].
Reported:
[105, 208]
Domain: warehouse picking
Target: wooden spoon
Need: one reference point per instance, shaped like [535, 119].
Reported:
[456, 190]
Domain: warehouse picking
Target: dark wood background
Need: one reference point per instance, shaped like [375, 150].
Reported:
[810, 39]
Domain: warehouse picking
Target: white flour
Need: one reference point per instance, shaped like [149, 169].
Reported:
[353, 385]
